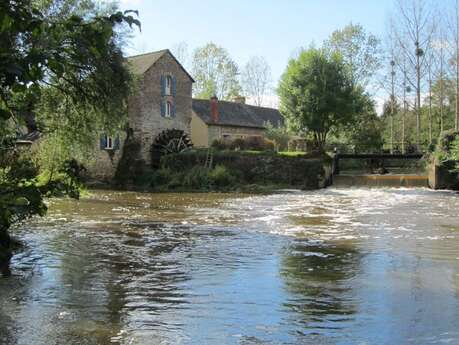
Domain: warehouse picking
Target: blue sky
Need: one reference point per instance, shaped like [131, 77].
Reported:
[270, 28]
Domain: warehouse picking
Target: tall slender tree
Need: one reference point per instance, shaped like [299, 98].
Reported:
[414, 31]
[256, 79]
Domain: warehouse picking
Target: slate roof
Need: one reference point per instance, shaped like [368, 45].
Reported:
[139, 64]
[270, 115]
[237, 114]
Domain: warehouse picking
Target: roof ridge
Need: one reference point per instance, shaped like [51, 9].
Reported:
[154, 52]
[233, 102]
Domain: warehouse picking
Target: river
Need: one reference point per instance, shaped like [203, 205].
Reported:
[335, 266]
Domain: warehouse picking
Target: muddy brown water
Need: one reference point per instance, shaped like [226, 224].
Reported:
[336, 266]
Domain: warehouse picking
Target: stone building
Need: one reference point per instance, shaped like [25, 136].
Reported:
[162, 101]
[220, 120]
[162, 104]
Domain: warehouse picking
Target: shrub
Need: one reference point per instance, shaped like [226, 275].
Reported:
[238, 144]
[254, 143]
[221, 177]
[196, 178]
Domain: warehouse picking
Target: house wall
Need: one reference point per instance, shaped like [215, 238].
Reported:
[103, 164]
[199, 132]
[145, 106]
[232, 132]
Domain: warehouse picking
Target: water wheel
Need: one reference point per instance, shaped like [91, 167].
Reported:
[167, 142]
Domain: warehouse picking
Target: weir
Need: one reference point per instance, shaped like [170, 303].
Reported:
[379, 170]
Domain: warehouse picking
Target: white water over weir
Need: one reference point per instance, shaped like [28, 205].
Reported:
[396, 180]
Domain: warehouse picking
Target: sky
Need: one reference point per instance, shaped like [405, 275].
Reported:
[274, 29]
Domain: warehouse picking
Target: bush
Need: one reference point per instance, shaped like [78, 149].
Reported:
[221, 177]
[238, 144]
[196, 178]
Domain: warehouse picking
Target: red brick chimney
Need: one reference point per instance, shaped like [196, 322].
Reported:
[214, 109]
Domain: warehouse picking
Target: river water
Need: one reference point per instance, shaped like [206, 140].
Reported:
[336, 266]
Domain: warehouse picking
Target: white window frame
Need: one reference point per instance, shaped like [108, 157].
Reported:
[168, 110]
[109, 142]
[168, 86]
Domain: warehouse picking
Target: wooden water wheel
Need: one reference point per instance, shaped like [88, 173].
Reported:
[169, 141]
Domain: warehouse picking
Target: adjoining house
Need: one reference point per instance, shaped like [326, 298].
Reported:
[162, 115]
[221, 120]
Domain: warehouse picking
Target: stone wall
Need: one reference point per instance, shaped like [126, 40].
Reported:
[145, 106]
[297, 172]
[441, 175]
[103, 164]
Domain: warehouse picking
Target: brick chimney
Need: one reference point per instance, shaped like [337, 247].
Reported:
[239, 99]
[214, 109]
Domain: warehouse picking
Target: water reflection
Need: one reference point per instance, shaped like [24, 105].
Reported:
[317, 278]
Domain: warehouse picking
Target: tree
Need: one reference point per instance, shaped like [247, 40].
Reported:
[316, 94]
[256, 78]
[413, 31]
[360, 50]
[364, 133]
[78, 60]
[453, 30]
[215, 73]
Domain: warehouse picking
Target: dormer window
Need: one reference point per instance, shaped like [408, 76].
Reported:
[168, 86]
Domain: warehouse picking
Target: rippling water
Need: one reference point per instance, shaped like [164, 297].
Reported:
[336, 266]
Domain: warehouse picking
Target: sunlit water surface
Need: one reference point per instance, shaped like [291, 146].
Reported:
[336, 266]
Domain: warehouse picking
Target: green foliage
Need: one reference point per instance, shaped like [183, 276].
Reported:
[447, 149]
[316, 94]
[221, 177]
[20, 195]
[196, 178]
[63, 67]
[215, 73]
[279, 135]
[364, 134]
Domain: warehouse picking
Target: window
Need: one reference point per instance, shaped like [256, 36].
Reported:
[168, 109]
[108, 142]
[168, 86]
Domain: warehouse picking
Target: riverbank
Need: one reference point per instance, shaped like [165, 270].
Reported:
[227, 171]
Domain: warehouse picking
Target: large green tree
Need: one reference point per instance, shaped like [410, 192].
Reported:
[215, 73]
[73, 58]
[316, 94]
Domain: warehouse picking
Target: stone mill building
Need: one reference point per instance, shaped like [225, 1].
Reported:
[160, 114]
